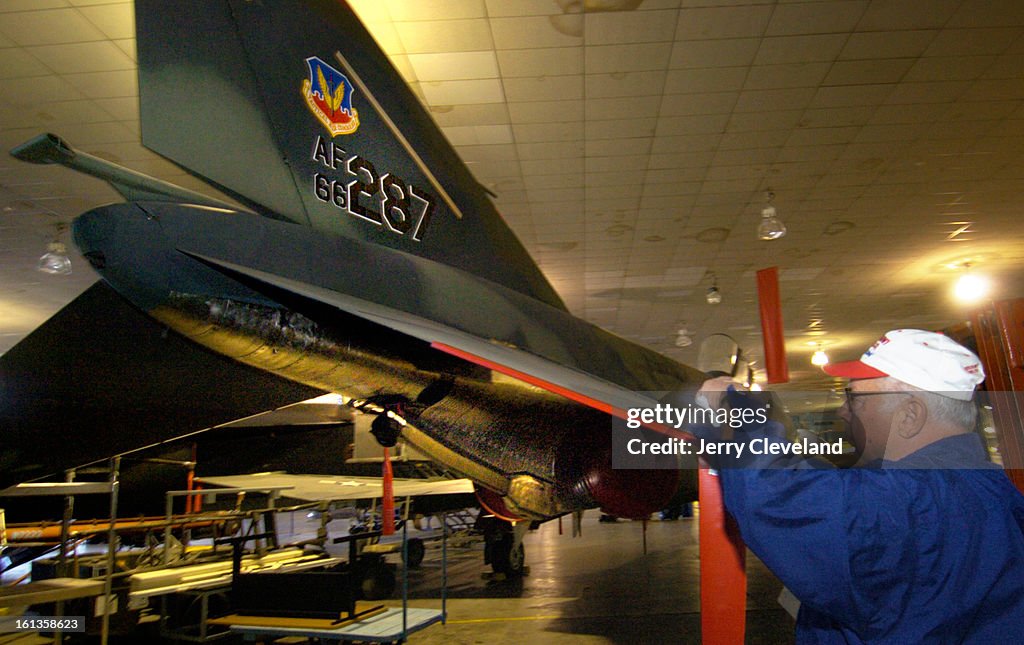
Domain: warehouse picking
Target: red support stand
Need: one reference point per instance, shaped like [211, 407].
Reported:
[772, 331]
[723, 576]
[387, 499]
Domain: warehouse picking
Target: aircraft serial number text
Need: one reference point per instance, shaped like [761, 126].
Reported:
[383, 199]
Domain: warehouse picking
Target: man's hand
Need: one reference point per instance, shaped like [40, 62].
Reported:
[714, 389]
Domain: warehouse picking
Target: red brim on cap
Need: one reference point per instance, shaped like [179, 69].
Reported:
[852, 369]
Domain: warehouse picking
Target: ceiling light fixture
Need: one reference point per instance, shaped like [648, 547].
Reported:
[771, 227]
[683, 337]
[819, 358]
[970, 287]
[713, 295]
[55, 261]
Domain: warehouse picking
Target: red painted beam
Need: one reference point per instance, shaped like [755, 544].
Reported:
[771, 325]
[723, 575]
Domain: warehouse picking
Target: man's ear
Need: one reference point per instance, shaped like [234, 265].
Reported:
[911, 418]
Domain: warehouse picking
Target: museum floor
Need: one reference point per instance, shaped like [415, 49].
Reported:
[597, 588]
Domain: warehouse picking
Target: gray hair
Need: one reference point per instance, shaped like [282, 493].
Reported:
[962, 414]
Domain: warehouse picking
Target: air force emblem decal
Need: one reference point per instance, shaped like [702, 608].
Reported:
[328, 95]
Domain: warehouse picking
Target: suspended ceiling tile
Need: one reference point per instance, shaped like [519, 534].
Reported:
[37, 91]
[548, 132]
[532, 32]
[1003, 89]
[387, 37]
[9, 6]
[476, 114]
[617, 164]
[690, 104]
[850, 96]
[371, 11]
[546, 111]
[686, 143]
[127, 45]
[1005, 66]
[595, 129]
[49, 27]
[552, 166]
[944, 68]
[626, 58]
[926, 14]
[973, 42]
[74, 112]
[543, 88]
[93, 134]
[444, 36]
[469, 135]
[74, 58]
[867, 72]
[105, 84]
[115, 20]
[697, 81]
[800, 49]
[815, 18]
[463, 92]
[731, 52]
[930, 92]
[454, 66]
[984, 13]
[553, 194]
[822, 136]
[751, 142]
[599, 86]
[556, 61]
[887, 44]
[429, 10]
[922, 113]
[723, 22]
[796, 98]
[16, 62]
[764, 77]
[687, 125]
[549, 149]
[726, 161]
[552, 181]
[838, 117]
[778, 120]
[628, 107]
[505, 9]
[620, 27]
[681, 160]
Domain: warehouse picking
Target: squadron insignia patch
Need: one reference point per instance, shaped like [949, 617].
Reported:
[328, 95]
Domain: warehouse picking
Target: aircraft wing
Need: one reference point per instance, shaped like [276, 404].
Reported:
[572, 382]
[101, 378]
[314, 488]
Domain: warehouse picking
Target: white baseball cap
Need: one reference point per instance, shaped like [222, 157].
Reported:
[924, 359]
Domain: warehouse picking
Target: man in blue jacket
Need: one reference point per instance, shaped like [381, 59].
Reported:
[923, 542]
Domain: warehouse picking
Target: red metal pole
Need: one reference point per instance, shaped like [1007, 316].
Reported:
[723, 576]
[387, 502]
[772, 330]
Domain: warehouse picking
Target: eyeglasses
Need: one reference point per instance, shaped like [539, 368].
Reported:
[851, 395]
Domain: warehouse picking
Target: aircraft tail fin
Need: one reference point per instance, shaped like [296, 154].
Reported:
[293, 108]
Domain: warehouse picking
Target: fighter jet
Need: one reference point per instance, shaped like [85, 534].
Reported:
[357, 255]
